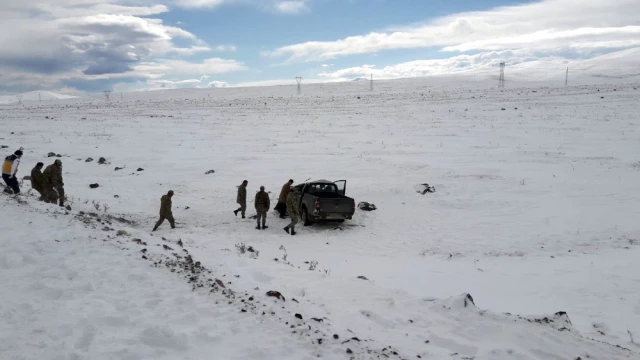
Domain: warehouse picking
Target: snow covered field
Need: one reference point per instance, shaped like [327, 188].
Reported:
[535, 212]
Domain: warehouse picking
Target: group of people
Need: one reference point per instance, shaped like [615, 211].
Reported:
[287, 203]
[47, 183]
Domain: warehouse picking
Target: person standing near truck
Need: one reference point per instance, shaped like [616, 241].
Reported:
[262, 203]
[281, 207]
[292, 208]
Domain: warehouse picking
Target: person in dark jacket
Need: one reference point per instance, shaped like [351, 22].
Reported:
[165, 211]
[262, 203]
[292, 207]
[36, 179]
[281, 206]
[52, 183]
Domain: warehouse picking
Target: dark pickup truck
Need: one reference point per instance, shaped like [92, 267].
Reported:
[324, 200]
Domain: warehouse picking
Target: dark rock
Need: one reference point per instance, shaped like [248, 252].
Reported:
[166, 247]
[3, 146]
[93, 186]
[317, 319]
[58, 156]
[117, 168]
[102, 161]
[220, 283]
[424, 189]
[209, 172]
[51, 154]
[140, 169]
[275, 294]
[143, 251]
[180, 243]
[27, 177]
[298, 316]
[349, 351]
[503, 109]
[68, 207]
[89, 160]
[335, 336]
[116, 196]
[362, 278]
[187, 208]
[365, 206]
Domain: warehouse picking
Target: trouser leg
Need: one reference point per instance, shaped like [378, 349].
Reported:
[171, 221]
[160, 221]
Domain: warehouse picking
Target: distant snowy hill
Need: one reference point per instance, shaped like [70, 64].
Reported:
[33, 96]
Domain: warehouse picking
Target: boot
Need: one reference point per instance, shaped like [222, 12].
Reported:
[286, 229]
[264, 227]
[258, 227]
[243, 216]
[235, 212]
[293, 232]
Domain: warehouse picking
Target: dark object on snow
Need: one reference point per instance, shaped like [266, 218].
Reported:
[68, 207]
[58, 155]
[93, 186]
[367, 206]
[503, 109]
[424, 188]
[275, 294]
[298, 316]
[335, 336]
[220, 283]
[140, 169]
[349, 351]
[468, 299]
[187, 208]
[102, 161]
[116, 196]
[51, 154]
[324, 200]
[362, 278]
[180, 243]
[89, 160]
[117, 168]
[210, 172]
[3, 146]
[26, 177]
[317, 319]
[166, 247]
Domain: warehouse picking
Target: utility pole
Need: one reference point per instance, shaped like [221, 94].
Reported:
[501, 79]
[299, 81]
[106, 94]
[566, 77]
[371, 83]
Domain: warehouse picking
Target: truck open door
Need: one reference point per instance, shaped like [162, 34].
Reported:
[342, 186]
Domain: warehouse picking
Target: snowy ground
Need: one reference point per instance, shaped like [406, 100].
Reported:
[535, 212]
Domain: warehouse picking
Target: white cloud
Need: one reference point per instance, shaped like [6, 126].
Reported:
[191, 4]
[93, 44]
[326, 65]
[291, 7]
[227, 48]
[527, 64]
[548, 24]
[218, 84]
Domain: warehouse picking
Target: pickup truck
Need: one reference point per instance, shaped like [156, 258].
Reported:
[324, 200]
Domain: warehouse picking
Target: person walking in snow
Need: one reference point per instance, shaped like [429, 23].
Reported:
[262, 203]
[10, 171]
[165, 211]
[36, 179]
[242, 199]
[281, 206]
[292, 208]
[52, 183]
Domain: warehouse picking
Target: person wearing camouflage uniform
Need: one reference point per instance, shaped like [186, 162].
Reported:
[165, 211]
[36, 179]
[52, 183]
[242, 199]
[262, 204]
[292, 208]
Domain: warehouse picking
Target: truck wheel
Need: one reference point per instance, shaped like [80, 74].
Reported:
[305, 217]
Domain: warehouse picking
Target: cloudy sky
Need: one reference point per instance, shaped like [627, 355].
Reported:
[96, 45]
